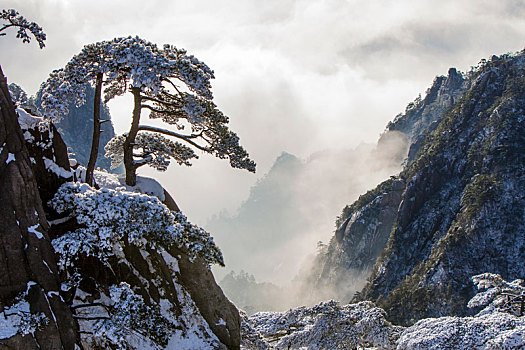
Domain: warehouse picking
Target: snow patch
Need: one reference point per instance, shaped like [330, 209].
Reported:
[32, 229]
[18, 319]
[10, 158]
[26, 120]
[54, 168]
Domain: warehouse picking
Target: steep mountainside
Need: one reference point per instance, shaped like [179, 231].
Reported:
[462, 209]
[363, 228]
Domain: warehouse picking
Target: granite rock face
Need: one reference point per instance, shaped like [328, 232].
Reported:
[28, 270]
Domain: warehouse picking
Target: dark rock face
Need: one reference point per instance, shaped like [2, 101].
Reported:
[198, 280]
[462, 211]
[49, 159]
[26, 252]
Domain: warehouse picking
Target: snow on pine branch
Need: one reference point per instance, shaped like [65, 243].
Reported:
[124, 61]
[188, 69]
[15, 19]
[208, 124]
[108, 218]
[128, 316]
[60, 90]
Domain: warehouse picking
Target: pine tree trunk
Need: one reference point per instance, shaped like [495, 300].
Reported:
[129, 164]
[96, 131]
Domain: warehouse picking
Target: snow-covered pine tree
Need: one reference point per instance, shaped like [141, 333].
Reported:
[15, 19]
[18, 95]
[171, 84]
[174, 87]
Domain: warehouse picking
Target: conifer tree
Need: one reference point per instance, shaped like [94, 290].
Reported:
[172, 85]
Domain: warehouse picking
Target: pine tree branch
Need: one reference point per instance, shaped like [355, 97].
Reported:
[91, 317]
[173, 84]
[187, 138]
[79, 306]
[160, 102]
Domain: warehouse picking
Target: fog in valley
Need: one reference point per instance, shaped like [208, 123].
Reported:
[290, 214]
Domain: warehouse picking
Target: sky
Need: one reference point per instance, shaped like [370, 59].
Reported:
[293, 75]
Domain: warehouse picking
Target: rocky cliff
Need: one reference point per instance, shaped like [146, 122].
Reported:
[457, 209]
[97, 268]
[34, 315]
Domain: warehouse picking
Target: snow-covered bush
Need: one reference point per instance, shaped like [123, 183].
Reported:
[498, 294]
[250, 338]
[126, 317]
[493, 331]
[326, 325]
[110, 218]
[498, 326]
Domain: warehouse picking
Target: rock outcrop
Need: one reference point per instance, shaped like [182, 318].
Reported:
[28, 272]
[339, 270]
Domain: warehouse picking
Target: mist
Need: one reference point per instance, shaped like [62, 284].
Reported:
[290, 214]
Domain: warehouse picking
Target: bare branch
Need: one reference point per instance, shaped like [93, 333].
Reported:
[91, 317]
[79, 306]
[186, 138]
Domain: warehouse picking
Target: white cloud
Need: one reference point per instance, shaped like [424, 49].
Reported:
[294, 75]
